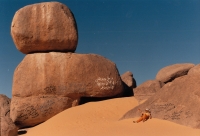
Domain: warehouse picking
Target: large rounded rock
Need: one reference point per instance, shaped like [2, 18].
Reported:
[171, 72]
[45, 84]
[195, 70]
[43, 27]
[147, 89]
[32, 110]
[7, 127]
[176, 101]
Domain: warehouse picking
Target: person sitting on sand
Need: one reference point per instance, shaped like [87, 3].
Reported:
[145, 116]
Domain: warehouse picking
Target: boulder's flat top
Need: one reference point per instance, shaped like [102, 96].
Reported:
[102, 119]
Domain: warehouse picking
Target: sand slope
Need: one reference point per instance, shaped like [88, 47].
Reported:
[102, 119]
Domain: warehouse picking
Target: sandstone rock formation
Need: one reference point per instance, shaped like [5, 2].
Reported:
[194, 70]
[128, 79]
[45, 84]
[171, 72]
[7, 127]
[43, 27]
[51, 78]
[129, 83]
[176, 101]
[147, 89]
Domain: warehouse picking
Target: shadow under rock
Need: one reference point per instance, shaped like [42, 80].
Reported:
[21, 132]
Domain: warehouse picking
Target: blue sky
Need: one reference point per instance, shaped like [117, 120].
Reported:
[141, 36]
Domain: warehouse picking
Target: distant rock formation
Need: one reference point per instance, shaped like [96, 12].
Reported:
[127, 78]
[7, 127]
[171, 72]
[43, 27]
[51, 78]
[129, 83]
[176, 101]
[147, 89]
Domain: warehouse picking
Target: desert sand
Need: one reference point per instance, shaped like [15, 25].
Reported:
[102, 119]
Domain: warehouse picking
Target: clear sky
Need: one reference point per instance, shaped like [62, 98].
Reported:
[141, 36]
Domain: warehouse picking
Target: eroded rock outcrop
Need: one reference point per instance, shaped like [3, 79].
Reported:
[8, 128]
[147, 89]
[45, 84]
[176, 101]
[43, 27]
[171, 72]
[128, 79]
[129, 83]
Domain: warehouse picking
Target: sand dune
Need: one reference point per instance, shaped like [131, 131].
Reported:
[102, 119]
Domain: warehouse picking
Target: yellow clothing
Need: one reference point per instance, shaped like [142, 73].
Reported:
[144, 117]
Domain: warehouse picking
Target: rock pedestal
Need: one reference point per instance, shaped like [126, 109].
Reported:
[45, 84]
[66, 74]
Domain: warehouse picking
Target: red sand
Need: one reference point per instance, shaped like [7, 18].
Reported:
[102, 119]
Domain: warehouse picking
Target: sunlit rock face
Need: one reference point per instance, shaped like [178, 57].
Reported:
[171, 72]
[147, 89]
[43, 27]
[45, 84]
[176, 101]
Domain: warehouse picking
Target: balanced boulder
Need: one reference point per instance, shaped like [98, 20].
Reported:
[45, 84]
[171, 72]
[8, 128]
[43, 27]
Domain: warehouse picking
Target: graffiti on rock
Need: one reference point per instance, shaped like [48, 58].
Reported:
[105, 83]
[46, 108]
[50, 89]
